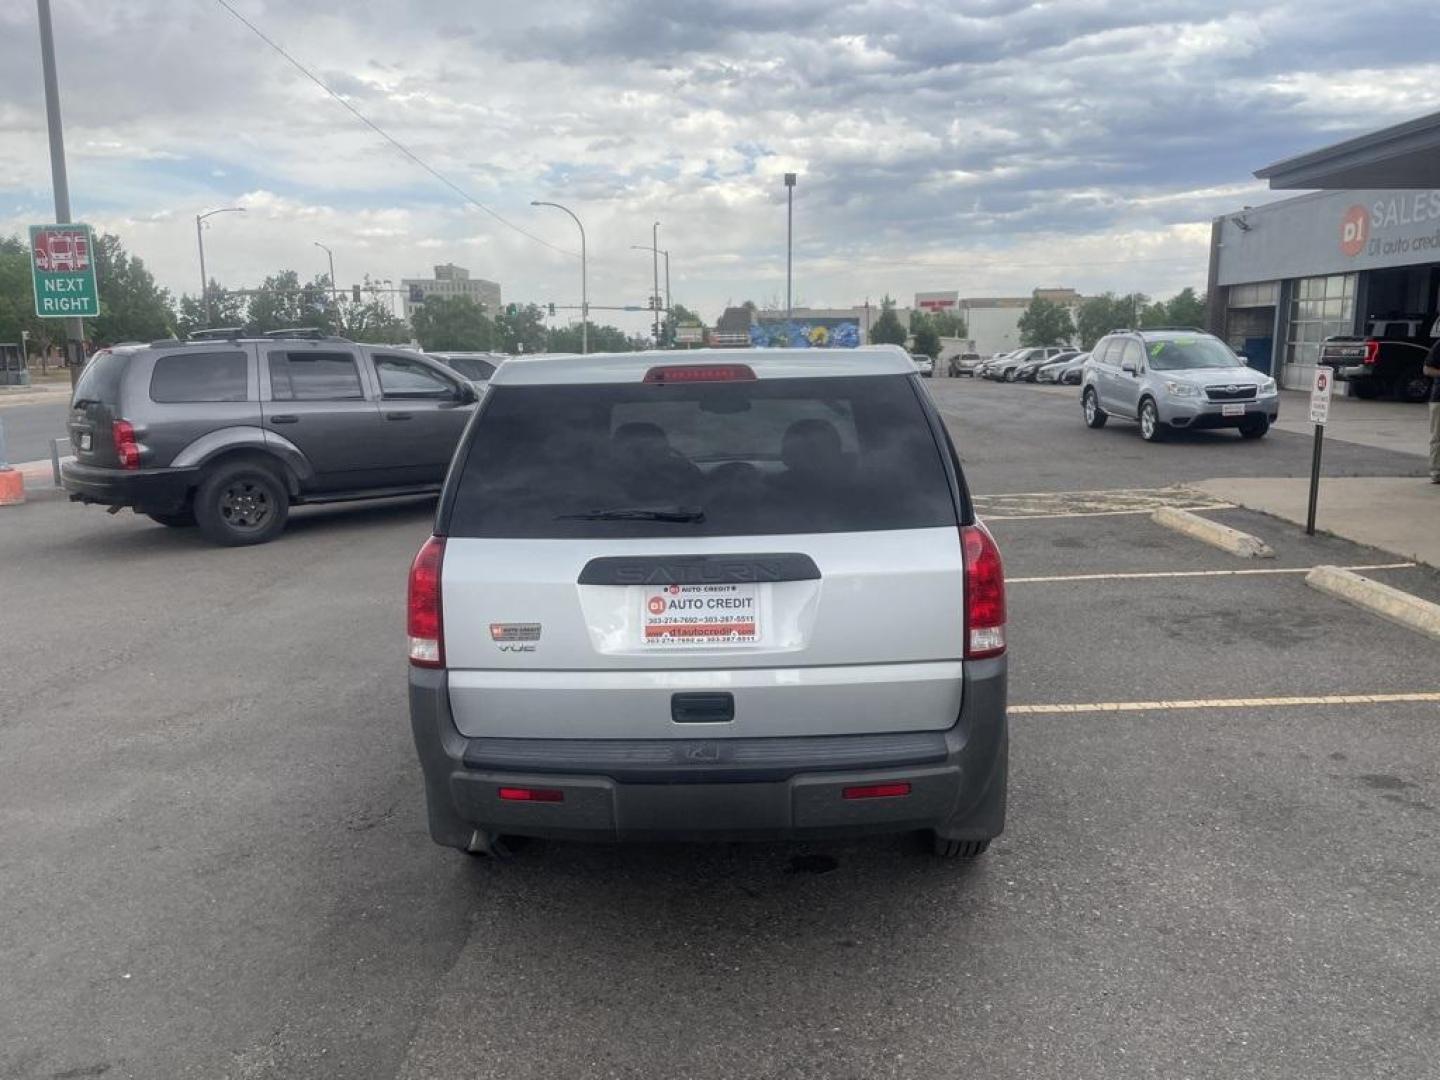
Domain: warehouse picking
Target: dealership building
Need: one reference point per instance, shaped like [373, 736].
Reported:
[1287, 275]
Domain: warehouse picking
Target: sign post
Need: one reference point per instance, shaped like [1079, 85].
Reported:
[63, 269]
[1321, 389]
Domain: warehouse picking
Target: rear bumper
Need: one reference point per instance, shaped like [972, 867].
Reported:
[752, 788]
[157, 490]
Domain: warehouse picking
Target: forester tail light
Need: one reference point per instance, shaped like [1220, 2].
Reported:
[984, 593]
[424, 624]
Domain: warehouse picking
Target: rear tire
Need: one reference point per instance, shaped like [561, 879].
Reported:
[1255, 427]
[241, 503]
[1365, 390]
[1095, 416]
[1152, 428]
[1412, 388]
[958, 849]
[185, 519]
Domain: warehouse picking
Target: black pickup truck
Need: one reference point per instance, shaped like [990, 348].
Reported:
[1387, 360]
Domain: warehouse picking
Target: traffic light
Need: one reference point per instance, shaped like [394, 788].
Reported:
[355, 294]
[551, 308]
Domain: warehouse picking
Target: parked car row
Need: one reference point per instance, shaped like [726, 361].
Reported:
[1026, 365]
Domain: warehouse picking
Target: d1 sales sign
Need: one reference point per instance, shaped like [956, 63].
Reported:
[63, 267]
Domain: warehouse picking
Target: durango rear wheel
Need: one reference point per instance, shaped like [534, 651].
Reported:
[240, 503]
[1095, 416]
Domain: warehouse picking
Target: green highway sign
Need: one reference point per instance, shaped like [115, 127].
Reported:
[62, 265]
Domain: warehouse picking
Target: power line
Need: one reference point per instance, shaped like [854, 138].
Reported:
[387, 136]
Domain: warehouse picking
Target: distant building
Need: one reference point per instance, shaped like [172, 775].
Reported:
[732, 329]
[993, 322]
[937, 301]
[451, 280]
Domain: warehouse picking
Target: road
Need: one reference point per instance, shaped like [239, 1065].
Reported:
[29, 428]
[215, 861]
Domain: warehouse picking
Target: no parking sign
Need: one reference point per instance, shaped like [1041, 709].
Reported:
[1322, 386]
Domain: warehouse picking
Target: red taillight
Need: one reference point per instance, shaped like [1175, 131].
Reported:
[530, 794]
[877, 791]
[423, 623]
[1372, 351]
[984, 593]
[693, 373]
[127, 450]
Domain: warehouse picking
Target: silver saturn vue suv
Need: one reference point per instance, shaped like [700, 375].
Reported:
[709, 595]
[1167, 379]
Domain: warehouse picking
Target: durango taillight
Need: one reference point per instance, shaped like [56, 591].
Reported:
[984, 593]
[127, 450]
[1372, 351]
[423, 622]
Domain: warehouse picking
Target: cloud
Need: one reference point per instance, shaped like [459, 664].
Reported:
[984, 145]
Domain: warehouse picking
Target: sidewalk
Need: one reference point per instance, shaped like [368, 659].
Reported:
[1384, 425]
[1400, 515]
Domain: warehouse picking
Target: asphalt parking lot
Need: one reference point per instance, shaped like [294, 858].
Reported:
[215, 861]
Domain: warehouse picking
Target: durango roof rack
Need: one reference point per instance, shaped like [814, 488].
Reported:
[1181, 329]
[314, 333]
[218, 333]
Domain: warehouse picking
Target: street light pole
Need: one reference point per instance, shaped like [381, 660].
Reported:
[655, 260]
[584, 282]
[669, 309]
[74, 328]
[331, 255]
[206, 308]
[789, 247]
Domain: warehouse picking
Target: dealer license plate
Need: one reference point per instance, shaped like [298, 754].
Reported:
[1232, 410]
[700, 616]
[85, 441]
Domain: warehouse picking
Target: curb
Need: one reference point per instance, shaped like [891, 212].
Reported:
[1384, 600]
[1212, 532]
[1375, 596]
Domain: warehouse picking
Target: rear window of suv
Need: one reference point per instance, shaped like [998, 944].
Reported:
[773, 456]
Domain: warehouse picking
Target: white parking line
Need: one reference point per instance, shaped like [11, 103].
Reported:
[1193, 573]
[1224, 703]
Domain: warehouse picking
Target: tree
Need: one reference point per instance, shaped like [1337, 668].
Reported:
[886, 330]
[679, 314]
[566, 339]
[1045, 322]
[229, 308]
[522, 331]
[453, 323]
[17, 299]
[1186, 308]
[132, 306]
[922, 328]
[281, 302]
[1098, 315]
[949, 324]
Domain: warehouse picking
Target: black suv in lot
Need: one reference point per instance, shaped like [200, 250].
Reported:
[228, 434]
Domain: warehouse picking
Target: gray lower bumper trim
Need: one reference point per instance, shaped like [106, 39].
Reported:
[705, 761]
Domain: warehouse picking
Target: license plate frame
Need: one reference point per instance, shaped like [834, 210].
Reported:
[708, 616]
[85, 441]
[1232, 410]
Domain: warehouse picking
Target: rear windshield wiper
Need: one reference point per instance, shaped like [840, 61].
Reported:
[638, 513]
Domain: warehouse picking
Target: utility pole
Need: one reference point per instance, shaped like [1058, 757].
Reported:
[669, 307]
[584, 278]
[74, 328]
[655, 290]
[789, 247]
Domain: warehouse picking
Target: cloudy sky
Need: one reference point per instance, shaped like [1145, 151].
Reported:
[989, 146]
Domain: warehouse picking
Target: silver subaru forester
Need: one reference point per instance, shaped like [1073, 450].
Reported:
[709, 595]
[1172, 379]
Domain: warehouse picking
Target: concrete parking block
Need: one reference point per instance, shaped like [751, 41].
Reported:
[1213, 533]
[1384, 600]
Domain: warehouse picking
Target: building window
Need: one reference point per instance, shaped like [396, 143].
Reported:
[1321, 307]
[1257, 294]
